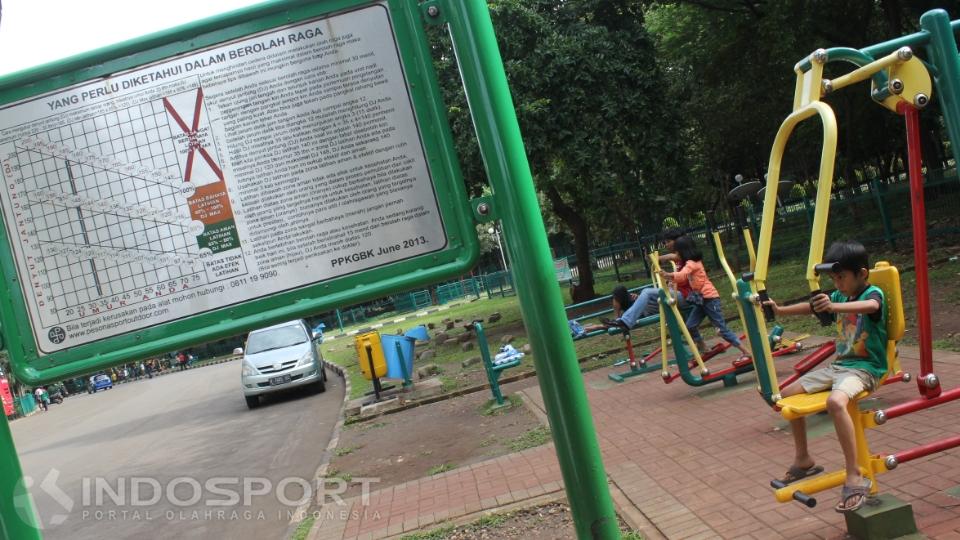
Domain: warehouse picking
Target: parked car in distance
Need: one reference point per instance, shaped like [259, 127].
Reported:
[99, 382]
[278, 358]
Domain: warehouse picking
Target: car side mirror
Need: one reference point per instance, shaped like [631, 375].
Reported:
[238, 351]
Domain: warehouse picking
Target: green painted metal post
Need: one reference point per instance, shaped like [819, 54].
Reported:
[877, 189]
[516, 204]
[18, 519]
[492, 377]
[942, 50]
[339, 320]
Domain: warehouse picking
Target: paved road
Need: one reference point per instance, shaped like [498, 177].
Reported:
[170, 432]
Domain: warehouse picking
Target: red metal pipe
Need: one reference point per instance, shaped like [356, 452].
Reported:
[912, 118]
[927, 449]
[809, 362]
[706, 357]
[919, 404]
[893, 378]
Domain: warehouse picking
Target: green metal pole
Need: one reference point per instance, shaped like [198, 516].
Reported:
[18, 519]
[492, 378]
[942, 50]
[505, 160]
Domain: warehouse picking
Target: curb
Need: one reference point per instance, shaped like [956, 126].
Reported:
[303, 511]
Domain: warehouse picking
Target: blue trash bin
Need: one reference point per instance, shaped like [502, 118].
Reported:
[406, 341]
[394, 368]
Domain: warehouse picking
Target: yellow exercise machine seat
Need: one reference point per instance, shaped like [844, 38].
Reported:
[887, 278]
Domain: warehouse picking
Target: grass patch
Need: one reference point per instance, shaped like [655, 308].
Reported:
[632, 535]
[489, 441]
[363, 426]
[336, 473]
[490, 408]
[535, 437]
[303, 529]
[448, 383]
[436, 534]
[340, 452]
[442, 468]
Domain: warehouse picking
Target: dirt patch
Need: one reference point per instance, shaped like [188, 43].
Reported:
[545, 522]
[432, 439]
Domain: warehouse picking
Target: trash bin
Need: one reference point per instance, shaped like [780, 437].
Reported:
[395, 370]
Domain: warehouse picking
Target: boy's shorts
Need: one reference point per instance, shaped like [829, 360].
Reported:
[847, 380]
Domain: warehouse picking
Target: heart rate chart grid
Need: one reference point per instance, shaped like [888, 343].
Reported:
[116, 208]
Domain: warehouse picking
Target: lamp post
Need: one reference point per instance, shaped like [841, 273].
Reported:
[496, 232]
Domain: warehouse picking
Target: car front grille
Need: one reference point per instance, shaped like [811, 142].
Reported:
[266, 370]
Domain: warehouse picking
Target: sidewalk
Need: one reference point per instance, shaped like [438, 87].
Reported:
[687, 462]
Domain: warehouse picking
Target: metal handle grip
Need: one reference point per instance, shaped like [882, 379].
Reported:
[804, 499]
[826, 319]
[768, 314]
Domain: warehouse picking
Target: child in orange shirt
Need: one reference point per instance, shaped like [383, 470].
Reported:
[704, 298]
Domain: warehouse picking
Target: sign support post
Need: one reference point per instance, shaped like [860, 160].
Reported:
[515, 203]
[18, 518]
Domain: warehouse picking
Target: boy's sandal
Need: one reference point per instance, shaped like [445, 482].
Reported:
[795, 473]
[858, 495]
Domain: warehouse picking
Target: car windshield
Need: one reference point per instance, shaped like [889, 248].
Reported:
[276, 338]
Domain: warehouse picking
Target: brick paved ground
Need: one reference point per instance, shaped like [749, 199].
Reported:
[694, 462]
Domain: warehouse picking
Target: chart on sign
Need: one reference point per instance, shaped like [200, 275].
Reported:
[123, 206]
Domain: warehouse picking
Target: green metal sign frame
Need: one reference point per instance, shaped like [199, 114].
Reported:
[33, 366]
[514, 202]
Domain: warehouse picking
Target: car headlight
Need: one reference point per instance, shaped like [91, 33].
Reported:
[306, 360]
[249, 370]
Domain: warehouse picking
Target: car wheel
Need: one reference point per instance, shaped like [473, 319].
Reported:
[323, 371]
[319, 387]
[252, 401]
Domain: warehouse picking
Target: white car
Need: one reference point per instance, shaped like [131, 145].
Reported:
[278, 358]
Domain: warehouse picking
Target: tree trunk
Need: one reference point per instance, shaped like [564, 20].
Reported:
[581, 245]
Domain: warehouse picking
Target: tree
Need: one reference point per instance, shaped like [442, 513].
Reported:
[601, 142]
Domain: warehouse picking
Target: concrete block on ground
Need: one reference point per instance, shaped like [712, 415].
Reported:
[494, 317]
[426, 389]
[379, 407]
[882, 517]
[472, 361]
[464, 337]
[352, 408]
[426, 371]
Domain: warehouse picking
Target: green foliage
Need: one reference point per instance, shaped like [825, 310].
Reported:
[442, 468]
[587, 96]
[534, 437]
[340, 452]
[490, 408]
[304, 528]
[435, 534]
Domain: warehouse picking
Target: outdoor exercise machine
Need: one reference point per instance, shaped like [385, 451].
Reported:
[901, 83]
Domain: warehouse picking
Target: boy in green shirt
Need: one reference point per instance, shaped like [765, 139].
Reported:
[860, 311]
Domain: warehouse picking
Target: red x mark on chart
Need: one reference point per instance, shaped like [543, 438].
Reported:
[192, 137]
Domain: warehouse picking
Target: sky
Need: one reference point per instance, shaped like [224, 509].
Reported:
[36, 32]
